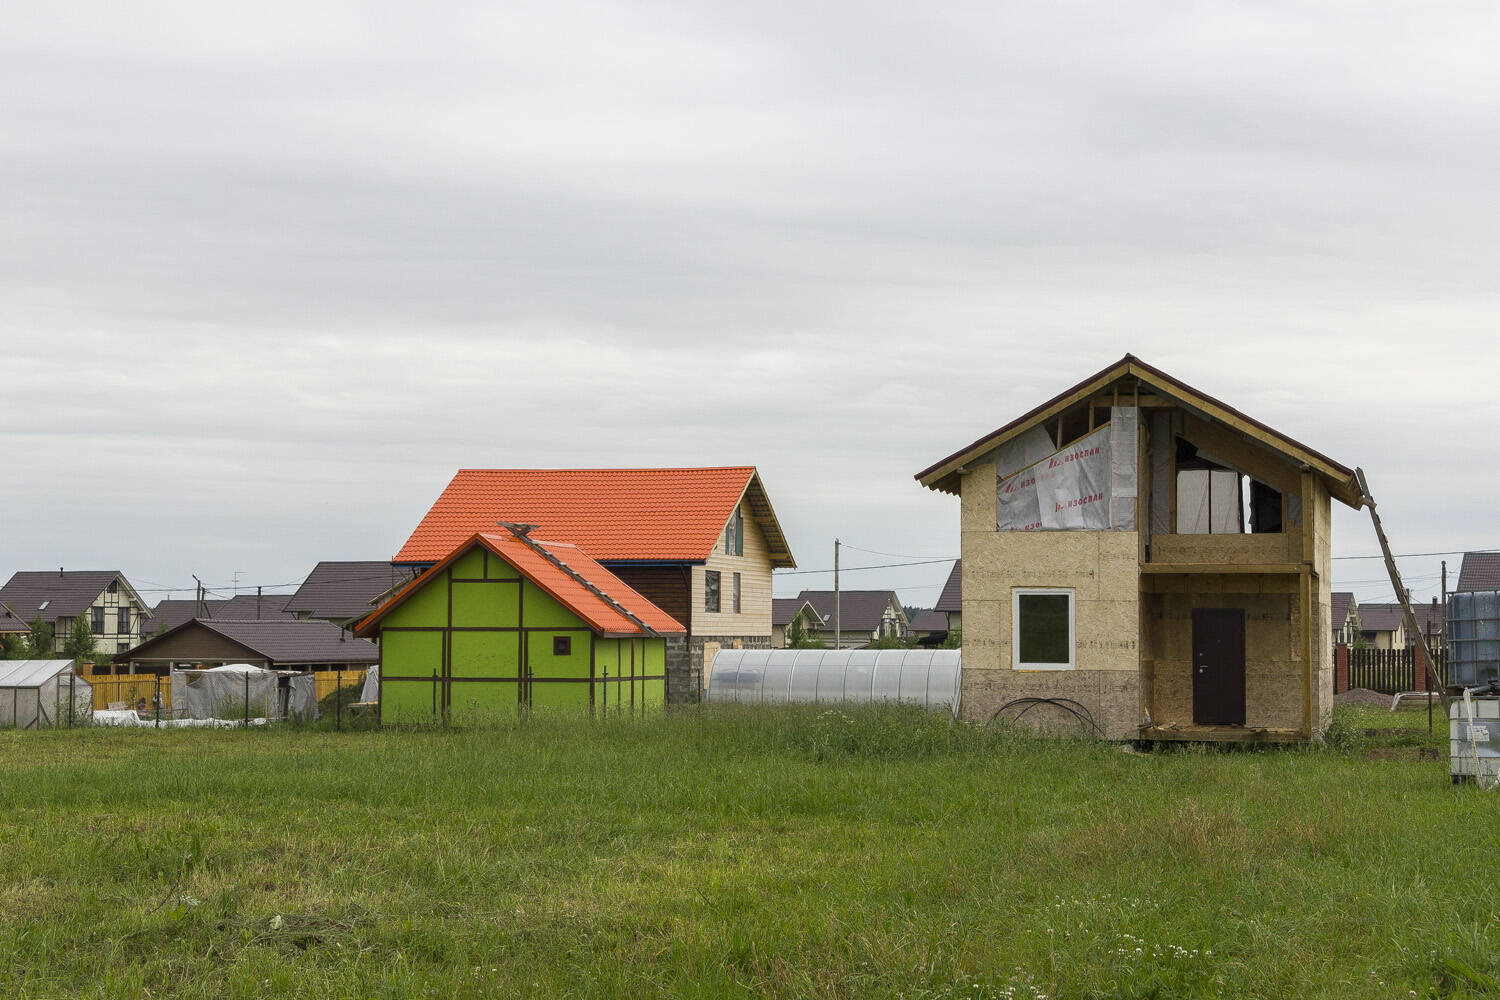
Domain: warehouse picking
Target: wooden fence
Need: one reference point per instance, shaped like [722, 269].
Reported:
[130, 690]
[1390, 671]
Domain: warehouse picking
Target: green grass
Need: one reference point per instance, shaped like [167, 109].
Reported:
[727, 853]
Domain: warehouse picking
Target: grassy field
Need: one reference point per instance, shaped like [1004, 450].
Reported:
[723, 853]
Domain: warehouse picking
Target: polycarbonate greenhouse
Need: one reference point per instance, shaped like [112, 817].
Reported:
[927, 677]
[35, 694]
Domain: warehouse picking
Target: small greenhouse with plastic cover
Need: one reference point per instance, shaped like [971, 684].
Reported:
[930, 678]
[36, 694]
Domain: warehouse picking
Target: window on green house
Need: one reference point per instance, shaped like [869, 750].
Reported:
[711, 590]
[562, 645]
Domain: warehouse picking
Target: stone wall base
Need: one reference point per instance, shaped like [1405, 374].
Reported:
[1112, 697]
[685, 662]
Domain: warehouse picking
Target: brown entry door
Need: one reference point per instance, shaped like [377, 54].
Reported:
[1218, 667]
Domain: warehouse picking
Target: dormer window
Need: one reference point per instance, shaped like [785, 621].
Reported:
[43, 606]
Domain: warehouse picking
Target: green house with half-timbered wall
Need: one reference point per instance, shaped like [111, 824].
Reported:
[508, 622]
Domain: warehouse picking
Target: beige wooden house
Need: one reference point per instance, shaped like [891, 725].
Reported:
[1152, 554]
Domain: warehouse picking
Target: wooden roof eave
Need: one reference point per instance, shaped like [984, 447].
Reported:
[1340, 480]
[755, 493]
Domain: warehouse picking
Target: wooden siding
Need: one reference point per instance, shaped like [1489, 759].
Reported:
[754, 568]
[664, 586]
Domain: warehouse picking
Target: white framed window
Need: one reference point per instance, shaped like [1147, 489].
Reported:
[1041, 628]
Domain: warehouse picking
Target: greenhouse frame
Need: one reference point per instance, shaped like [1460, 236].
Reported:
[38, 694]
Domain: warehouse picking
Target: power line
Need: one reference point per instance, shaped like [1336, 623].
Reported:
[853, 569]
[1419, 555]
[897, 555]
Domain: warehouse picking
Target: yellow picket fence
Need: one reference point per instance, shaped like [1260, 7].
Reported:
[130, 689]
[133, 689]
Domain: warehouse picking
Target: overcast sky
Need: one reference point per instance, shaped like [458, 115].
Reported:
[271, 272]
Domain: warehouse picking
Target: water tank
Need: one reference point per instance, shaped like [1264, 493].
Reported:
[1474, 637]
[927, 677]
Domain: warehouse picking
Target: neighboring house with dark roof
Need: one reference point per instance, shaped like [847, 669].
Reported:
[1383, 626]
[1479, 571]
[280, 644]
[12, 625]
[1344, 617]
[169, 614]
[929, 627]
[785, 610]
[951, 601]
[115, 612]
[863, 616]
[699, 543]
[346, 591]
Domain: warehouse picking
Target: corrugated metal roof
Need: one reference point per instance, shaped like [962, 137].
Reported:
[32, 673]
[616, 515]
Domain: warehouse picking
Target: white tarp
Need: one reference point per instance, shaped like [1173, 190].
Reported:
[1078, 488]
[1208, 502]
[239, 690]
[371, 691]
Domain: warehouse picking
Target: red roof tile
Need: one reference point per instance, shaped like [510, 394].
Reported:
[598, 613]
[614, 514]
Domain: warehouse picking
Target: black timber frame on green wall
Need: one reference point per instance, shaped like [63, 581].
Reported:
[442, 681]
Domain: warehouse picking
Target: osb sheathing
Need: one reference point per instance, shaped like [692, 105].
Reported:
[1102, 568]
[1199, 549]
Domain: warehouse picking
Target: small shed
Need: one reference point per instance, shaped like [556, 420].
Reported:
[35, 694]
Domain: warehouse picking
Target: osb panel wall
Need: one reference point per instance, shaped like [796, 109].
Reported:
[1112, 697]
[1322, 521]
[1100, 566]
[1273, 651]
[1268, 548]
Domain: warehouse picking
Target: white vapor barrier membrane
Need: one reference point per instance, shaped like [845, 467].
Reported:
[1089, 485]
[927, 677]
[1208, 502]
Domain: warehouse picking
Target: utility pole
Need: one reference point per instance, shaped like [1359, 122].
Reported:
[838, 638]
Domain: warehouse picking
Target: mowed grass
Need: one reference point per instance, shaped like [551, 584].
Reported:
[709, 853]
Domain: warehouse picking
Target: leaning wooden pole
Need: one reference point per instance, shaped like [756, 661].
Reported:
[1390, 567]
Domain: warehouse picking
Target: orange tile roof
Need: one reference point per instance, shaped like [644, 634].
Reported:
[598, 613]
[673, 515]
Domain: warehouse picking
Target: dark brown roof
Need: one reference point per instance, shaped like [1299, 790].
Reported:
[1342, 601]
[952, 597]
[930, 621]
[241, 607]
[65, 593]
[859, 610]
[1341, 478]
[340, 591]
[282, 641]
[784, 609]
[1387, 617]
[11, 624]
[1480, 571]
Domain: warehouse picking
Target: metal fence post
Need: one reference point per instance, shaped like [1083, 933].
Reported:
[73, 676]
[434, 694]
[158, 701]
[338, 699]
[247, 701]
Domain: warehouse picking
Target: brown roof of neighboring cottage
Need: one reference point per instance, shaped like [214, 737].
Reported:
[1387, 617]
[171, 613]
[282, 641]
[10, 624]
[66, 593]
[1479, 571]
[784, 609]
[1341, 602]
[342, 590]
[1340, 478]
[952, 597]
[930, 621]
[859, 610]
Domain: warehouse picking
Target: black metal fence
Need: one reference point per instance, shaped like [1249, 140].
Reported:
[1391, 671]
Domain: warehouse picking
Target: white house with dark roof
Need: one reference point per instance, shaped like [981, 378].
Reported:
[116, 614]
[863, 616]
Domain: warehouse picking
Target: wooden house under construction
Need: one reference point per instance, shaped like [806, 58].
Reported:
[1150, 557]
